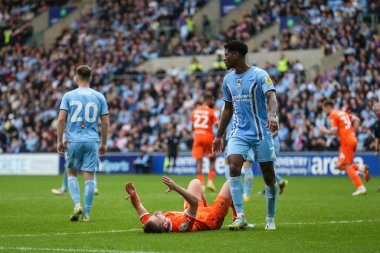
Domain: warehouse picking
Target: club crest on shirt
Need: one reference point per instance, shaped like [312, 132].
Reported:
[268, 80]
[184, 226]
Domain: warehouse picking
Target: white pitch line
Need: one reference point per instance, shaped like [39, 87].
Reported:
[330, 222]
[72, 233]
[135, 229]
[72, 250]
[324, 222]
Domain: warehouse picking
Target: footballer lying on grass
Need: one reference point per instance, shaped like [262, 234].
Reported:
[196, 215]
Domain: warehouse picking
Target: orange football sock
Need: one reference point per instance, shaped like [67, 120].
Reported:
[211, 175]
[353, 175]
[234, 214]
[200, 177]
[355, 166]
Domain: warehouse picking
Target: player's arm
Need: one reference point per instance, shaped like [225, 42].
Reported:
[187, 195]
[60, 128]
[272, 110]
[355, 121]
[331, 131]
[104, 131]
[217, 145]
[135, 199]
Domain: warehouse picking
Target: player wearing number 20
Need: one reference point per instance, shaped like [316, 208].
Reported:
[81, 109]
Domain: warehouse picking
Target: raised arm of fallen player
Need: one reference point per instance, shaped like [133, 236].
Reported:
[135, 199]
[187, 195]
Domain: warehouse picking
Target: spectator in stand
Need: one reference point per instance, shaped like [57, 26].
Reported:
[142, 162]
[172, 142]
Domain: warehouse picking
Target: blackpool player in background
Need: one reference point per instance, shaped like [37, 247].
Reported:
[376, 130]
[203, 118]
[250, 97]
[341, 123]
[197, 215]
[81, 109]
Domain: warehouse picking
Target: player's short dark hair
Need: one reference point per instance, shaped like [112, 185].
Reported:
[84, 73]
[328, 103]
[207, 96]
[151, 227]
[237, 46]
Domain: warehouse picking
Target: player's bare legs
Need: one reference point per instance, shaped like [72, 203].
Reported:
[211, 174]
[236, 188]
[199, 171]
[74, 193]
[225, 190]
[195, 187]
[271, 189]
[354, 177]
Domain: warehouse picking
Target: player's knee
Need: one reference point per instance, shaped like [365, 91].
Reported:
[344, 167]
[235, 170]
[269, 178]
[195, 182]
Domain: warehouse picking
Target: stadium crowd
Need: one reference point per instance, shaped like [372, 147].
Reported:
[332, 25]
[16, 17]
[145, 106]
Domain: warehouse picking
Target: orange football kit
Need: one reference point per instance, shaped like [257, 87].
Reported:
[203, 118]
[348, 143]
[207, 218]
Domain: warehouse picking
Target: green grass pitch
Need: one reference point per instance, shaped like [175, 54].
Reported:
[315, 214]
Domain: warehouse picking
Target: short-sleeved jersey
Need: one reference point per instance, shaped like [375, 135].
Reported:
[246, 92]
[342, 121]
[203, 118]
[180, 221]
[83, 106]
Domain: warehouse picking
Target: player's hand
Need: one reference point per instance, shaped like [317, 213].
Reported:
[217, 146]
[323, 130]
[130, 188]
[272, 123]
[102, 150]
[169, 182]
[61, 148]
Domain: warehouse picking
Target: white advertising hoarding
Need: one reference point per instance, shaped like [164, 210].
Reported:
[29, 164]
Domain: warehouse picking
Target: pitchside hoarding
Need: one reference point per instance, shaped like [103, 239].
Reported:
[29, 164]
[302, 164]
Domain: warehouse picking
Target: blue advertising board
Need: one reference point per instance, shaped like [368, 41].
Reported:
[226, 6]
[111, 164]
[289, 22]
[57, 13]
[301, 164]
